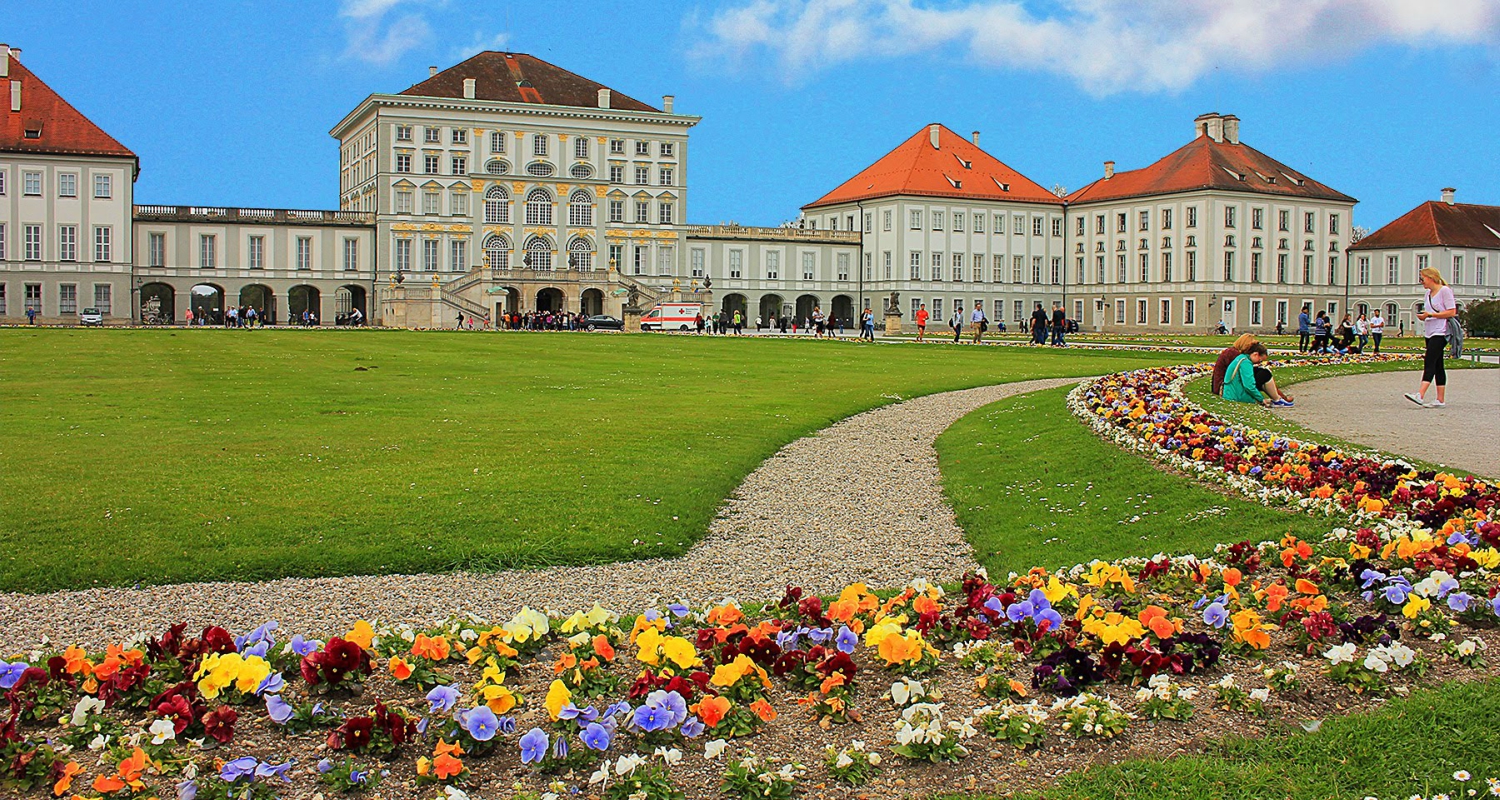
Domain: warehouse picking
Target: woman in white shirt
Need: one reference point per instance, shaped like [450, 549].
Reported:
[1437, 309]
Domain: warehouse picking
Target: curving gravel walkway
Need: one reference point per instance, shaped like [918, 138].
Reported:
[1370, 410]
[860, 500]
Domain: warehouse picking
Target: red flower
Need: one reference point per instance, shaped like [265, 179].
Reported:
[354, 734]
[219, 724]
[335, 662]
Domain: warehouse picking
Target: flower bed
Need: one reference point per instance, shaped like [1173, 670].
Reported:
[1008, 682]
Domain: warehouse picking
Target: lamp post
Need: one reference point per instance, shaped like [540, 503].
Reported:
[860, 263]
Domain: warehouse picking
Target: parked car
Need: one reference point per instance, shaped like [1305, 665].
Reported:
[90, 317]
[603, 322]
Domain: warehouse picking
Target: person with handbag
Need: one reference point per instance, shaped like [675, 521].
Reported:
[977, 319]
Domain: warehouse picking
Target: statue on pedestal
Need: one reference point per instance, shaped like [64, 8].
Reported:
[893, 305]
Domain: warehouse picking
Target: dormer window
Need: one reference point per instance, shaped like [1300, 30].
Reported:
[1004, 187]
[963, 163]
[957, 184]
[33, 133]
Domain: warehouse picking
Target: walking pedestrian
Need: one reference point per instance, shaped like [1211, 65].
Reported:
[1377, 329]
[1434, 312]
[739, 322]
[867, 324]
[1038, 325]
[1059, 325]
[977, 319]
[957, 324]
[1362, 330]
[1304, 329]
[922, 316]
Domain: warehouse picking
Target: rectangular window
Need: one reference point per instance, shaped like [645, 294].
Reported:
[1192, 266]
[1255, 267]
[351, 255]
[103, 298]
[1145, 267]
[1121, 276]
[1166, 219]
[430, 164]
[1016, 264]
[736, 263]
[1307, 269]
[916, 220]
[1036, 269]
[1145, 220]
[617, 147]
[67, 243]
[666, 213]
[1166, 267]
[666, 176]
[997, 269]
[497, 142]
[1192, 222]
[538, 144]
[1099, 224]
[1281, 268]
[431, 135]
[458, 255]
[31, 184]
[1364, 270]
[1255, 312]
[695, 261]
[1078, 271]
[67, 184]
[937, 308]
[979, 223]
[642, 148]
[1229, 212]
[668, 149]
[1479, 264]
[458, 202]
[460, 136]
[937, 266]
[1078, 227]
[304, 252]
[889, 266]
[1189, 305]
[916, 266]
[403, 255]
[403, 162]
[616, 255]
[34, 297]
[1017, 309]
[807, 266]
[773, 264]
[1057, 224]
[1036, 226]
[1333, 269]
[643, 212]
[2, 185]
[431, 203]
[67, 298]
[1229, 266]
[208, 251]
[1257, 218]
[103, 187]
[1140, 312]
[617, 211]
[1421, 262]
[642, 174]
[1119, 312]
[1333, 224]
[1056, 271]
[1120, 222]
[429, 255]
[885, 220]
[958, 267]
[916, 305]
[1458, 270]
[958, 221]
[999, 226]
[459, 165]
[257, 252]
[156, 250]
[1281, 311]
[978, 262]
[580, 147]
[403, 201]
[1164, 314]
[937, 220]
[1309, 222]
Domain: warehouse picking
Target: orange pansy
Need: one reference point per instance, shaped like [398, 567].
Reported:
[763, 710]
[711, 710]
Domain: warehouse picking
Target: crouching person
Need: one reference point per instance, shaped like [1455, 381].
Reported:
[1246, 381]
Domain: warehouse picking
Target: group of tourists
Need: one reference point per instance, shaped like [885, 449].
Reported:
[1319, 335]
[531, 321]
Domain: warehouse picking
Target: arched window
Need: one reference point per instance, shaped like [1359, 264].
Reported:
[581, 255]
[581, 209]
[497, 252]
[539, 253]
[496, 206]
[538, 208]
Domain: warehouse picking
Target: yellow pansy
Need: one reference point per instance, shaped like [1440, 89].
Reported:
[557, 697]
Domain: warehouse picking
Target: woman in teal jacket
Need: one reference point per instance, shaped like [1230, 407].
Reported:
[1246, 381]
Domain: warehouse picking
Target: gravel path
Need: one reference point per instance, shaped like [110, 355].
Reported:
[1369, 410]
[860, 500]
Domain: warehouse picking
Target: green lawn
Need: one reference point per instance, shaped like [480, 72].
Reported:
[1032, 486]
[163, 456]
[1410, 746]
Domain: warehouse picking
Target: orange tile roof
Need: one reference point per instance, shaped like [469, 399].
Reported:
[956, 168]
[1206, 164]
[58, 127]
[1435, 224]
[521, 78]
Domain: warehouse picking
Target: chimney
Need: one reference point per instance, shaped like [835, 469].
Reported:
[1448, 195]
[1109, 170]
[432, 72]
[15, 95]
[4, 60]
[932, 135]
[468, 88]
[1231, 129]
[604, 98]
[15, 52]
[975, 137]
[666, 103]
[1215, 125]
[1201, 123]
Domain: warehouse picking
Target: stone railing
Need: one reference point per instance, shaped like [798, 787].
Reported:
[252, 216]
[772, 234]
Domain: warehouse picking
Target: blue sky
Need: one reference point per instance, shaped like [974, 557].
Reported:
[231, 103]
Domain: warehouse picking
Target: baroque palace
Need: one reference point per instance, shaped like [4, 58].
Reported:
[508, 184]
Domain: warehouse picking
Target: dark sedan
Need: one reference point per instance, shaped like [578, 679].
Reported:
[603, 322]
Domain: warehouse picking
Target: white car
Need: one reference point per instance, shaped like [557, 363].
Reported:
[90, 317]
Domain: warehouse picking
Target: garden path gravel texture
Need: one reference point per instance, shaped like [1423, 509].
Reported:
[860, 500]
[1370, 410]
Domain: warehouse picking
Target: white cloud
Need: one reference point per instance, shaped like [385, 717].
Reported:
[377, 36]
[480, 43]
[1104, 45]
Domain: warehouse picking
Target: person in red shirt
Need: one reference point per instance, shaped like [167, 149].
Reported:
[921, 321]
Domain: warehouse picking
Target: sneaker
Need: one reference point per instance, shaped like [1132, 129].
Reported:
[1438, 404]
[1284, 404]
[1415, 398]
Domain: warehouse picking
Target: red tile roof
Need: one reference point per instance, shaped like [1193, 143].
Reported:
[59, 127]
[1206, 164]
[521, 78]
[1439, 224]
[955, 168]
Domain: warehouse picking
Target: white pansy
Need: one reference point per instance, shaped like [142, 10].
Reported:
[86, 706]
[162, 731]
[715, 748]
[1341, 654]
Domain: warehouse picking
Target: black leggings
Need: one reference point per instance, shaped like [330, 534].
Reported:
[1432, 361]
